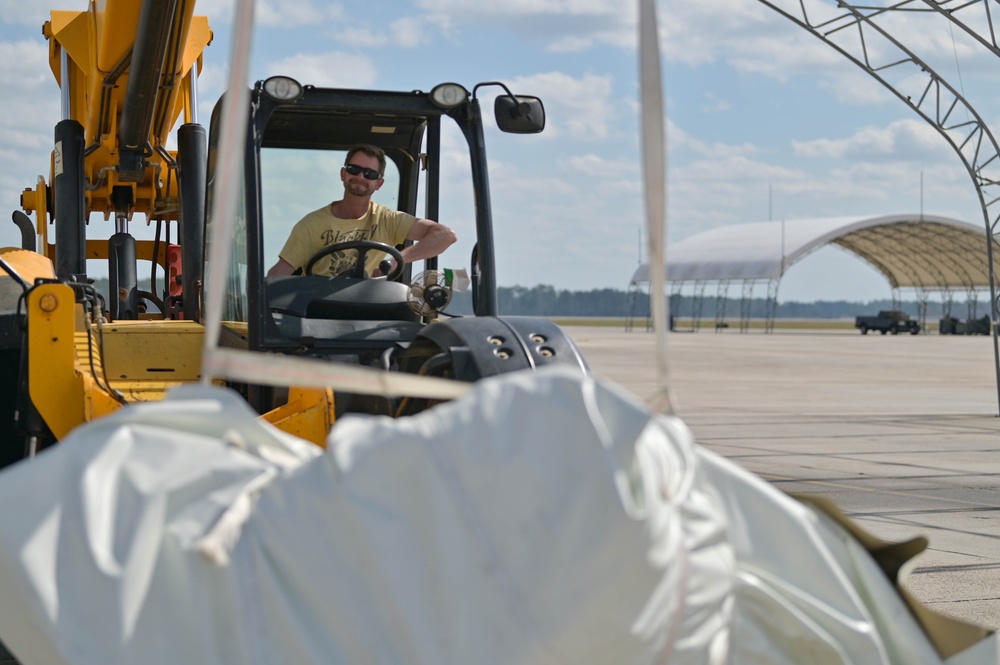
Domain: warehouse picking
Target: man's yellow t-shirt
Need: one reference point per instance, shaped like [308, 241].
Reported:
[320, 229]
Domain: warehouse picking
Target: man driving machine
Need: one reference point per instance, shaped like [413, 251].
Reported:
[355, 218]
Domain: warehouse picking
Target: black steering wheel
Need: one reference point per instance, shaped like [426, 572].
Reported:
[362, 247]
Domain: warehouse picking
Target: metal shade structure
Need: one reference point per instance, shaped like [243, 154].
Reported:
[912, 251]
[923, 252]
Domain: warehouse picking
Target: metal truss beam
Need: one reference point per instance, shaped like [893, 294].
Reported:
[772, 304]
[746, 300]
[721, 300]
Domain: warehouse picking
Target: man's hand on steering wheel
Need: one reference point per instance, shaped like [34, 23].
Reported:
[362, 247]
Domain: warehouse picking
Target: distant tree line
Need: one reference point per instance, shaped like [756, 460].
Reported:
[684, 306]
[545, 300]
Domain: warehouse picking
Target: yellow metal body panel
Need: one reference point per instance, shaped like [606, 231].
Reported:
[78, 371]
[238, 327]
[98, 249]
[36, 201]
[114, 16]
[167, 352]
[64, 397]
[69, 380]
[309, 414]
[235, 334]
[76, 37]
[28, 265]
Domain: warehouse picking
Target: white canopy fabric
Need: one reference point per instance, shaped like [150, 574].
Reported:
[920, 251]
[543, 518]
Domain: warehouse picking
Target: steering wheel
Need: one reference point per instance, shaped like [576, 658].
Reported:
[362, 247]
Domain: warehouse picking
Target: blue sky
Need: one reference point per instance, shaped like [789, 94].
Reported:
[763, 120]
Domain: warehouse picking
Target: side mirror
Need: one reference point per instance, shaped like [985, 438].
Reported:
[519, 114]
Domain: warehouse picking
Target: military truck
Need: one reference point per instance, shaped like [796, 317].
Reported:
[949, 325]
[887, 321]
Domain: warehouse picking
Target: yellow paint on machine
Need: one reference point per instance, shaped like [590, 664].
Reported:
[28, 265]
[309, 414]
[79, 371]
[160, 353]
[64, 395]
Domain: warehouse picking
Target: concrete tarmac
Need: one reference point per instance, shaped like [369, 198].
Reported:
[900, 431]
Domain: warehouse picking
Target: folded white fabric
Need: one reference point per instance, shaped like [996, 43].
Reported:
[544, 518]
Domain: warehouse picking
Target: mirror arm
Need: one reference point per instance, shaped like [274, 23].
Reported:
[518, 110]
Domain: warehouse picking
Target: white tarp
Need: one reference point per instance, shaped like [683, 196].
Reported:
[543, 518]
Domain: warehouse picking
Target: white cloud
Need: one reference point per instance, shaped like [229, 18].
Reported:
[946, 47]
[217, 9]
[275, 13]
[738, 169]
[902, 139]
[750, 36]
[596, 166]
[869, 141]
[470, 8]
[24, 13]
[580, 107]
[714, 104]
[746, 34]
[296, 13]
[32, 73]
[26, 125]
[612, 180]
[678, 139]
[713, 192]
[851, 86]
[331, 69]
[753, 39]
[571, 44]
[558, 227]
[405, 32]
[564, 25]
[781, 55]
[211, 82]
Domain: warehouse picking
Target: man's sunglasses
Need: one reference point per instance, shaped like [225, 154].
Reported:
[370, 174]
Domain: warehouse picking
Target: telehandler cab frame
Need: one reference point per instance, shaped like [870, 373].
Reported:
[367, 321]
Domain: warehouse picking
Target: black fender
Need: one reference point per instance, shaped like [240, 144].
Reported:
[471, 348]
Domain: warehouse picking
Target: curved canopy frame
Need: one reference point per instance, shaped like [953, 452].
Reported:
[913, 251]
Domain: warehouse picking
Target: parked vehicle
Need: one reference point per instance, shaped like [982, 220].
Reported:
[949, 325]
[887, 321]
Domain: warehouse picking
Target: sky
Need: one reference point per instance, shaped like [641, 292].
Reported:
[764, 121]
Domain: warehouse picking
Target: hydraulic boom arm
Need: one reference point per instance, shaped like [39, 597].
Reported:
[126, 70]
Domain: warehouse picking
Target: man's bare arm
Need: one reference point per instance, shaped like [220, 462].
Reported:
[431, 238]
[282, 267]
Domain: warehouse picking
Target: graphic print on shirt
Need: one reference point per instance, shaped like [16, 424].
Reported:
[344, 261]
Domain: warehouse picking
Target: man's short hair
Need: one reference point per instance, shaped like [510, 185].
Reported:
[371, 151]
